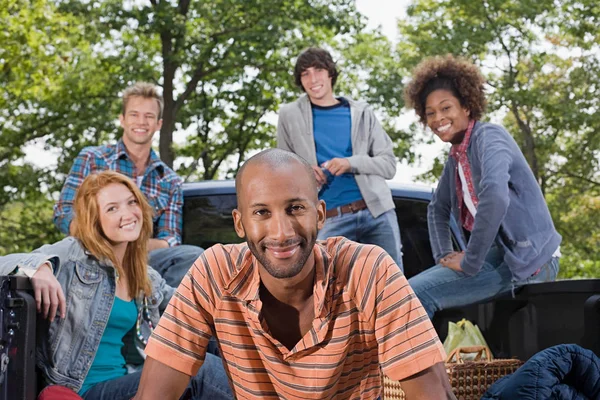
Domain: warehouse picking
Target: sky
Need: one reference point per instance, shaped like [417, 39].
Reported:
[384, 14]
[380, 13]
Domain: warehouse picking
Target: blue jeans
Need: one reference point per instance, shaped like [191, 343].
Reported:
[361, 227]
[439, 287]
[172, 263]
[209, 383]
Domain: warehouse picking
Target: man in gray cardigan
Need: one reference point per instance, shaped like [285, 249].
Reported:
[349, 151]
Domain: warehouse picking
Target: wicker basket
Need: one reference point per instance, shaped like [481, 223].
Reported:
[469, 379]
[392, 390]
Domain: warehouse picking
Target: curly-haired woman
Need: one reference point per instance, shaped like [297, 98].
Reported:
[105, 297]
[487, 186]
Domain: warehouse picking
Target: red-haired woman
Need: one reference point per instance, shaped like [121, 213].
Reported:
[104, 296]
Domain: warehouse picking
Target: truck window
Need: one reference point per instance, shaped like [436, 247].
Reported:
[208, 220]
[416, 249]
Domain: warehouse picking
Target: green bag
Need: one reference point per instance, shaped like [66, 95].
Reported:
[463, 334]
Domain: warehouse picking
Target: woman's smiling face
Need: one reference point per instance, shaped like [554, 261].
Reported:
[446, 117]
[120, 214]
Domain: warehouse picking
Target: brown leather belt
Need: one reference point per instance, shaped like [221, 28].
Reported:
[346, 208]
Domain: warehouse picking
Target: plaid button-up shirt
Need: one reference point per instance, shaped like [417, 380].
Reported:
[160, 184]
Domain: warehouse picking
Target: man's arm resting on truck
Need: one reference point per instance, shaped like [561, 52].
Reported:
[160, 382]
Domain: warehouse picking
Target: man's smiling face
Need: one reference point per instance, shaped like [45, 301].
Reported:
[279, 215]
[317, 84]
[140, 121]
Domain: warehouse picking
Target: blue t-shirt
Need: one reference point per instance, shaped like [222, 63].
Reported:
[109, 363]
[332, 127]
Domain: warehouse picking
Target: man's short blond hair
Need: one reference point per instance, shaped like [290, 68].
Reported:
[145, 90]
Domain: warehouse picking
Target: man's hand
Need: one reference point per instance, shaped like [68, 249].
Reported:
[49, 295]
[154, 244]
[337, 166]
[453, 260]
[319, 175]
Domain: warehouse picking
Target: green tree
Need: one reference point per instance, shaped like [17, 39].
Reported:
[38, 46]
[224, 67]
[370, 73]
[205, 54]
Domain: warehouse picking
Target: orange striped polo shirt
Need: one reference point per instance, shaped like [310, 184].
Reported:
[366, 317]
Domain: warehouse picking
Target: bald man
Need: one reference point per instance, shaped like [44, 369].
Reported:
[294, 318]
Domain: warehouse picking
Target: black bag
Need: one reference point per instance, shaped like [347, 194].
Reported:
[17, 339]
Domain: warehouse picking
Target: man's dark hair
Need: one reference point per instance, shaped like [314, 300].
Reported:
[316, 58]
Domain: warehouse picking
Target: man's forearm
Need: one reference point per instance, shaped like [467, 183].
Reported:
[160, 382]
[154, 244]
[430, 384]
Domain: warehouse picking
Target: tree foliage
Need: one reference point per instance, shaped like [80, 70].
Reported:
[221, 64]
[224, 66]
[370, 72]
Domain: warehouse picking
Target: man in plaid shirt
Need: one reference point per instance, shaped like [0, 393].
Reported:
[133, 156]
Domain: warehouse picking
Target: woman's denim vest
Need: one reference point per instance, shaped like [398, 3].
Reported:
[66, 347]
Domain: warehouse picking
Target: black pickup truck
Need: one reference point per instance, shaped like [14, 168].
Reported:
[538, 317]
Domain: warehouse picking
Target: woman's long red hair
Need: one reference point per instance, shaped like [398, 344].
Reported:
[87, 228]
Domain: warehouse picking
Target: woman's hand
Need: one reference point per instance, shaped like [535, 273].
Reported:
[49, 295]
[453, 260]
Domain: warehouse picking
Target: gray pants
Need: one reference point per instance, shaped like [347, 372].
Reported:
[172, 263]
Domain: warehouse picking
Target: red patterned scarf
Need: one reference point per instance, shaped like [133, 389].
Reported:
[459, 152]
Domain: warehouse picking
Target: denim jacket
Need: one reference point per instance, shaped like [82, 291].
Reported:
[67, 351]
[512, 213]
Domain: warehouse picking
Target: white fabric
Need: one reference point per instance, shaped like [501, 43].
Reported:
[466, 195]
[138, 180]
[28, 271]
[557, 253]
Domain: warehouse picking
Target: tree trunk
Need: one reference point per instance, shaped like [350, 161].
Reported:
[166, 132]
[528, 143]
[170, 46]
[168, 126]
